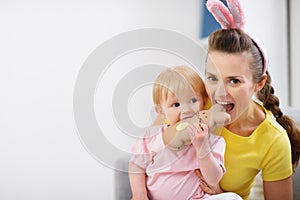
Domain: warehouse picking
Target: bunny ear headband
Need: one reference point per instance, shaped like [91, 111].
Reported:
[233, 17]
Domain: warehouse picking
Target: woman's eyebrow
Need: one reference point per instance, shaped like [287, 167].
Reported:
[235, 77]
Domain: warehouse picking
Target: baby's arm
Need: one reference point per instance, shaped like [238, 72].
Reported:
[209, 166]
[137, 178]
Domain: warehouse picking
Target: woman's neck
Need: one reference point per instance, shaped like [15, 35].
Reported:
[248, 122]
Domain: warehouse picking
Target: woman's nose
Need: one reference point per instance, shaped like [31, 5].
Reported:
[221, 90]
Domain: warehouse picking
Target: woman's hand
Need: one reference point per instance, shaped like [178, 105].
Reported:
[207, 188]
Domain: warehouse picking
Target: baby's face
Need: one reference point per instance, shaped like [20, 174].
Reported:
[182, 105]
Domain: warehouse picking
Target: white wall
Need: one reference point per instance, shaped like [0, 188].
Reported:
[43, 46]
[295, 59]
[268, 22]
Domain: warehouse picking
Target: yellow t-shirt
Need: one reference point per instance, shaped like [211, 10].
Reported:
[267, 149]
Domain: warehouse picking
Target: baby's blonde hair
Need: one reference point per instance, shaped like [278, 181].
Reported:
[177, 78]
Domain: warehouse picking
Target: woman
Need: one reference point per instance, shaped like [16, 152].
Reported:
[259, 136]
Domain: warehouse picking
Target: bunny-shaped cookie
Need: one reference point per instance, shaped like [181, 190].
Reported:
[177, 137]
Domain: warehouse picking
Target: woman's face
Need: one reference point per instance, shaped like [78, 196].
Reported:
[229, 81]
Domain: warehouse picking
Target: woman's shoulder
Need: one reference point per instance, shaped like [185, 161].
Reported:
[271, 124]
[271, 133]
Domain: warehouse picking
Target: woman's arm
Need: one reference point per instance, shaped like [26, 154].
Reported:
[137, 178]
[277, 190]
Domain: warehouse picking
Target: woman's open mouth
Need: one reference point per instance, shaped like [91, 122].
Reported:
[228, 106]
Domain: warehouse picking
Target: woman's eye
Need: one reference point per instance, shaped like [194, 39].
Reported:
[235, 81]
[175, 105]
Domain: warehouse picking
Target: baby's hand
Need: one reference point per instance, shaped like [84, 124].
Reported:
[177, 136]
[199, 139]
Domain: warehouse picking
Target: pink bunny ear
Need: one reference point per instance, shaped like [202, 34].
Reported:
[228, 18]
[220, 13]
[237, 13]
[233, 18]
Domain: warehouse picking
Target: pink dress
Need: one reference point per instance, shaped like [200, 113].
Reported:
[170, 174]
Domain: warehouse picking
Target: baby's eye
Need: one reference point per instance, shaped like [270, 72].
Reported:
[193, 100]
[175, 105]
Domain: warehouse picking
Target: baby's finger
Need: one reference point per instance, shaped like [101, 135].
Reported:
[206, 188]
[204, 127]
[199, 174]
